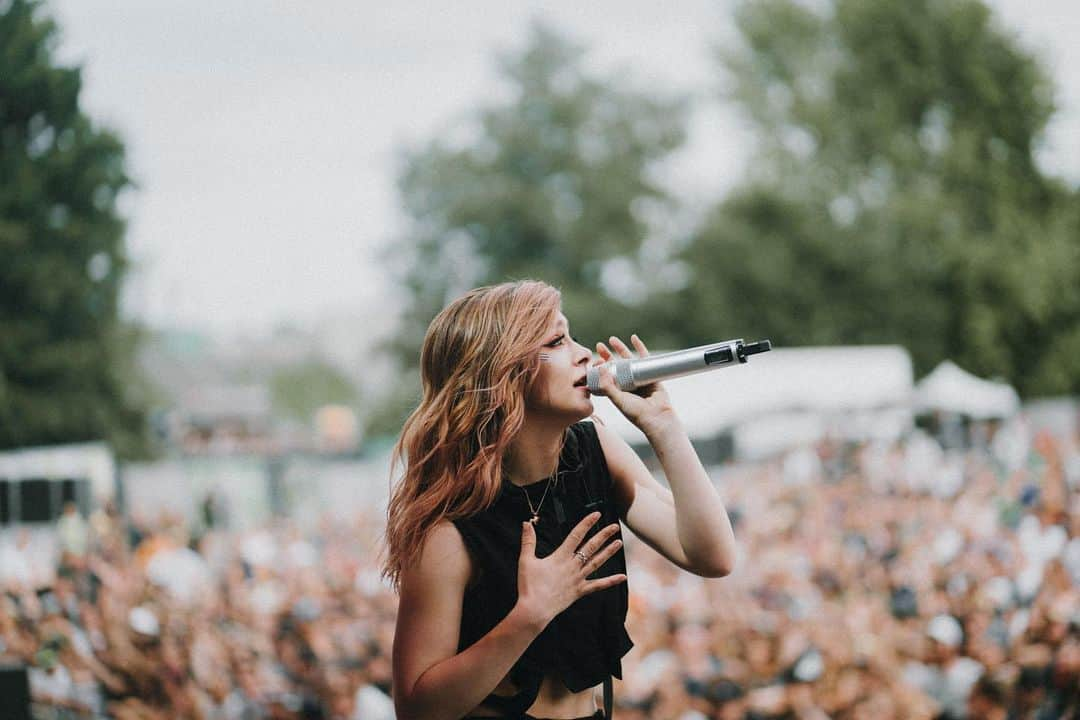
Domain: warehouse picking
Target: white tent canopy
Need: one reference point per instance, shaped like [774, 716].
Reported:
[781, 384]
[949, 388]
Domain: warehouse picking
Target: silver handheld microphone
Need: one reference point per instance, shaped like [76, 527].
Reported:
[631, 374]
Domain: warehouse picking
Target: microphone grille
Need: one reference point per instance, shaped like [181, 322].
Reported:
[592, 379]
[624, 375]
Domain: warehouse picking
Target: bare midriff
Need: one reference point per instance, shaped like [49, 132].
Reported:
[554, 700]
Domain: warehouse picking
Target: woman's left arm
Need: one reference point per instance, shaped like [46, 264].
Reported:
[688, 524]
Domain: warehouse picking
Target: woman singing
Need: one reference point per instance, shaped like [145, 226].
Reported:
[502, 535]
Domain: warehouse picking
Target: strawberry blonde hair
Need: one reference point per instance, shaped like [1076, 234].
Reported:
[479, 356]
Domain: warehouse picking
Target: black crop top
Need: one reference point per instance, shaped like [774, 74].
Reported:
[584, 644]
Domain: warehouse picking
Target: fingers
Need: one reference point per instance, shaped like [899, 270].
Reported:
[601, 557]
[620, 347]
[528, 540]
[603, 583]
[607, 385]
[577, 534]
[597, 541]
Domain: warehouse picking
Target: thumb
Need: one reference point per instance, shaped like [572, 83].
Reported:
[607, 379]
[528, 539]
[610, 387]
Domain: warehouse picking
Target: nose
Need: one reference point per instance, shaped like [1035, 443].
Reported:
[584, 356]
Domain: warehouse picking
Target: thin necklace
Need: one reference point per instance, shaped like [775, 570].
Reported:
[536, 511]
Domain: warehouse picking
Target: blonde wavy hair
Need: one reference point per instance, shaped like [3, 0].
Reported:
[479, 356]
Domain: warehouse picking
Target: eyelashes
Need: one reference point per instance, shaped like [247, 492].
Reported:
[544, 356]
[556, 342]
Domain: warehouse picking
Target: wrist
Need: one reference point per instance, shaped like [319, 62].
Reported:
[532, 619]
[661, 426]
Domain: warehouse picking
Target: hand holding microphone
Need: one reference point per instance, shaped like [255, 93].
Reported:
[633, 384]
[632, 374]
[646, 406]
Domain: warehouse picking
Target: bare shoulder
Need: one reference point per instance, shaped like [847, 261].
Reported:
[615, 448]
[621, 462]
[429, 611]
[443, 558]
[627, 469]
[606, 435]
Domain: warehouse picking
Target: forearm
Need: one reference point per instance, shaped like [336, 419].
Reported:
[453, 687]
[702, 523]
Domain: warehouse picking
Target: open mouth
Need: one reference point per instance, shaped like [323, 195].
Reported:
[582, 382]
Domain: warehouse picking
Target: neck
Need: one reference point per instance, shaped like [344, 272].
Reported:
[534, 454]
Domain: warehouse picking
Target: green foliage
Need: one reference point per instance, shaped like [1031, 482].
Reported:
[299, 390]
[66, 363]
[895, 198]
[555, 184]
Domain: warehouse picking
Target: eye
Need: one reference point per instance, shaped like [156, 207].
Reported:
[556, 342]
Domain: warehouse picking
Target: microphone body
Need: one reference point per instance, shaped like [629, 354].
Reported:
[632, 373]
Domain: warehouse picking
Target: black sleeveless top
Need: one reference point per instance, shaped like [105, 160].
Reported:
[584, 644]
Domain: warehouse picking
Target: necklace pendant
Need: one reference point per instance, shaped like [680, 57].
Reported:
[534, 518]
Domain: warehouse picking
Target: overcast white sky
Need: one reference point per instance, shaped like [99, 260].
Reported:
[264, 135]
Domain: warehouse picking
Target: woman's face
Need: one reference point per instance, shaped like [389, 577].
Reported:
[559, 388]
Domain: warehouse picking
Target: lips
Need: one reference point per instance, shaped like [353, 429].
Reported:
[581, 382]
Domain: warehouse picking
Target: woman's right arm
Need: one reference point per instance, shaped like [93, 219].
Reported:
[431, 680]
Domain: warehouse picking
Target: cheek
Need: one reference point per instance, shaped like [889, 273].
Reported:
[539, 392]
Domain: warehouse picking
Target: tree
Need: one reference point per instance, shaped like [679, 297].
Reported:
[896, 197]
[66, 359]
[555, 182]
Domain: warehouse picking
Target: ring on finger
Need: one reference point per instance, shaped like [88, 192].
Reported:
[582, 557]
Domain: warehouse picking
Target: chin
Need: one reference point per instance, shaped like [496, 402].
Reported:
[564, 410]
[586, 411]
[570, 415]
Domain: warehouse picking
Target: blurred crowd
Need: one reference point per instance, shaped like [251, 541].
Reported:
[880, 581]
[146, 622]
[883, 582]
